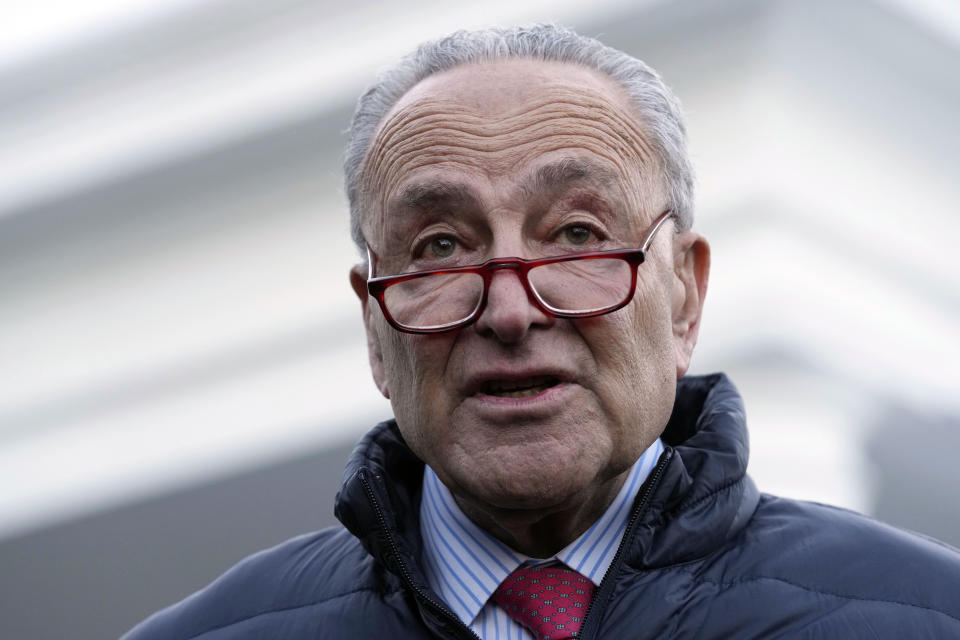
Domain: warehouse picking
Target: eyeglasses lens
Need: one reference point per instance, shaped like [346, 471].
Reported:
[581, 286]
[435, 300]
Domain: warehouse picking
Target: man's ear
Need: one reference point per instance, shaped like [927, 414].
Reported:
[358, 280]
[691, 267]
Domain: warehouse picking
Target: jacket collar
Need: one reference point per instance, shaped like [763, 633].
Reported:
[702, 498]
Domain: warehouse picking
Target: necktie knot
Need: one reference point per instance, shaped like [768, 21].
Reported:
[550, 601]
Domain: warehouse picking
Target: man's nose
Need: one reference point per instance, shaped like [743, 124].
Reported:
[510, 313]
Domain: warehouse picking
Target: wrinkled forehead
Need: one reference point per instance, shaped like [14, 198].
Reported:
[494, 121]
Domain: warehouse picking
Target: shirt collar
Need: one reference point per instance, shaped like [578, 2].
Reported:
[464, 564]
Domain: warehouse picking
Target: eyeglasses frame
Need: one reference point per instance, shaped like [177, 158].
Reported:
[377, 286]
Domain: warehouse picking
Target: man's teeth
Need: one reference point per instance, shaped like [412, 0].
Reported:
[517, 389]
[521, 393]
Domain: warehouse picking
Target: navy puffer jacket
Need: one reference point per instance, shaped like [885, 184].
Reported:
[704, 556]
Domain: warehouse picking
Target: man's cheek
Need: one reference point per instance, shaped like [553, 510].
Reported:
[414, 369]
[396, 354]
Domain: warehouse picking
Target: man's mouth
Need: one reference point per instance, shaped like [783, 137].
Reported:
[519, 388]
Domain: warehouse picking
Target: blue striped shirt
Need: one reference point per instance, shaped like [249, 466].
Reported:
[465, 564]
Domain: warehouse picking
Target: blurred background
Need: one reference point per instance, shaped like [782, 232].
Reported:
[182, 366]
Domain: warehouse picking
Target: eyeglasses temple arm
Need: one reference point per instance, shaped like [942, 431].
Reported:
[370, 258]
[659, 222]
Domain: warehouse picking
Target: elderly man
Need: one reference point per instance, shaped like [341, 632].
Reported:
[532, 295]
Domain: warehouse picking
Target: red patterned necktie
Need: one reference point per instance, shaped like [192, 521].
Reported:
[550, 601]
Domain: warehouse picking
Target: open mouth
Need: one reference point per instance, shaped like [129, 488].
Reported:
[519, 388]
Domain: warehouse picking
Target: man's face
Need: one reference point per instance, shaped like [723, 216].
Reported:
[529, 159]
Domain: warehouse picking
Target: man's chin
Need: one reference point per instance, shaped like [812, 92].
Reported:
[527, 495]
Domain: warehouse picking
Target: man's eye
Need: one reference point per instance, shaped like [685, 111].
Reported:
[577, 234]
[442, 247]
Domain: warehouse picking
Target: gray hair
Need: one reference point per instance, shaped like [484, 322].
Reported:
[657, 108]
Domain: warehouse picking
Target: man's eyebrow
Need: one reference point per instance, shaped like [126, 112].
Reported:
[566, 172]
[426, 196]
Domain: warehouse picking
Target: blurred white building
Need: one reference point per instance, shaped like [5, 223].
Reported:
[174, 246]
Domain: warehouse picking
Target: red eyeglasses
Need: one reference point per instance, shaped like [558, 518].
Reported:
[579, 285]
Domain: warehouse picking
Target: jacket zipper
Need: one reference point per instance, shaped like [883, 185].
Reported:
[404, 572]
[607, 582]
